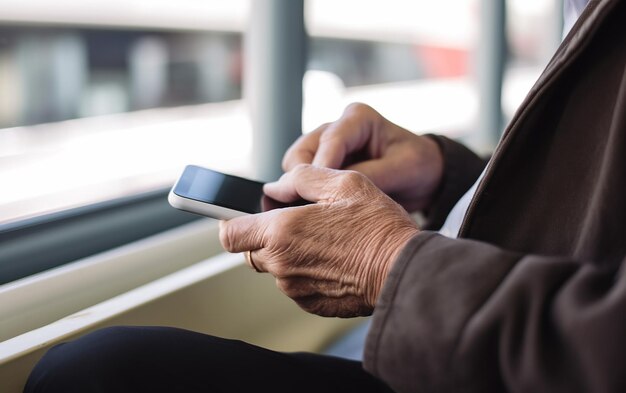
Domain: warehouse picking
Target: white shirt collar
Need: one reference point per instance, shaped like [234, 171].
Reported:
[571, 11]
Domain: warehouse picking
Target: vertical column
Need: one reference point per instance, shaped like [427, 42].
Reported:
[558, 15]
[10, 103]
[148, 61]
[215, 80]
[53, 72]
[492, 55]
[275, 48]
[69, 74]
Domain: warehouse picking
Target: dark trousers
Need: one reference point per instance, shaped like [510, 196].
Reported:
[159, 359]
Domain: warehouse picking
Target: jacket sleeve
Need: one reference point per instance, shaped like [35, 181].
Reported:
[460, 315]
[461, 169]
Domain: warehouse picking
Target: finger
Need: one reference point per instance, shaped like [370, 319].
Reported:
[244, 233]
[303, 150]
[253, 261]
[347, 307]
[381, 172]
[305, 181]
[295, 287]
[268, 204]
[303, 286]
[331, 152]
[347, 135]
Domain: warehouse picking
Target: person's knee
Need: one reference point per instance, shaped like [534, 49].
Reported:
[84, 364]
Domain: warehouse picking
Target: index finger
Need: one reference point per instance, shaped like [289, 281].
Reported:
[303, 150]
[349, 134]
[328, 145]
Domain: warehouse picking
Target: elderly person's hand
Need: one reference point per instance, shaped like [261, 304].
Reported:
[332, 256]
[405, 166]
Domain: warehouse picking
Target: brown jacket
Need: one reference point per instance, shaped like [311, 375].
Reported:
[533, 297]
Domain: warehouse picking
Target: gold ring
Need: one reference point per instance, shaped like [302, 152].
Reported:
[250, 263]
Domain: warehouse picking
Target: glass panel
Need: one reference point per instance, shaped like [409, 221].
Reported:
[105, 99]
[416, 61]
[102, 99]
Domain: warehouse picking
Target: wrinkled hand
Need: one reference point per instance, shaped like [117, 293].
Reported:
[407, 167]
[333, 256]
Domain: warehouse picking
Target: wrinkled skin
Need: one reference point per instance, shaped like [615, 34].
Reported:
[405, 166]
[332, 257]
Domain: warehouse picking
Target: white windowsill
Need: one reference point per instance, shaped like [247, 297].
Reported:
[97, 314]
[38, 300]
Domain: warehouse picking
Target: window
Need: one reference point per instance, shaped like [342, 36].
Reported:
[102, 104]
[418, 62]
[108, 100]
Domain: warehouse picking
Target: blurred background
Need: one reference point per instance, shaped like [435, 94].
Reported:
[105, 99]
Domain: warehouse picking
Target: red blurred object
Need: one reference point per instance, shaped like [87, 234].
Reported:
[441, 62]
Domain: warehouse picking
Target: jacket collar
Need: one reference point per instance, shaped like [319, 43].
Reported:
[571, 47]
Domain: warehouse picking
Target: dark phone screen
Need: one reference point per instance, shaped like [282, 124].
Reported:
[219, 189]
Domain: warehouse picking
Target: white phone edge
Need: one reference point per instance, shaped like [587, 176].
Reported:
[202, 208]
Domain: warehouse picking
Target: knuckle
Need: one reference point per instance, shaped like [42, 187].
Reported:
[285, 163]
[287, 158]
[351, 179]
[287, 287]
[291, 155]
[300, 168]
[329, 134]
[321, 129]
[283, 228]
[314, 305]
[357, 109]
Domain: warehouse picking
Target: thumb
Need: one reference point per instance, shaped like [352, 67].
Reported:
[244, 233]
[303, 182]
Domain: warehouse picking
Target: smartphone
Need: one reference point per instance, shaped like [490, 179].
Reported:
[214, 194]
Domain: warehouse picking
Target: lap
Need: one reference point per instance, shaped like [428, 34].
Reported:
[160, 359]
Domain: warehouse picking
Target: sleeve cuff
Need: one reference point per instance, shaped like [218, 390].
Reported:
[461, 169]
[433, 288]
